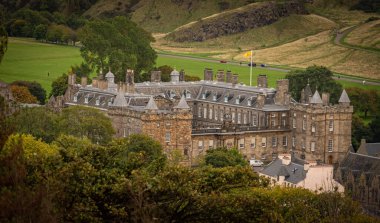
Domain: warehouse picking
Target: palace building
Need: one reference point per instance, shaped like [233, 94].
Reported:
[192, 117]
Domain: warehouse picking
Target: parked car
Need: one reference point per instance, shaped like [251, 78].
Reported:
[254, 162]
[252, 64]
[263, 65]
[223, 61]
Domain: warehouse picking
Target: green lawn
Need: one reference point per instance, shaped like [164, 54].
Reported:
[196, 68]
[29, 60]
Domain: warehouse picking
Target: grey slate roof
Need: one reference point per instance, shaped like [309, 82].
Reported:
[293, 172]
[316, 99]
[344, 97]
[359, 163]
[373, 149]
[182, 103]
[151, 104]
[120, 100]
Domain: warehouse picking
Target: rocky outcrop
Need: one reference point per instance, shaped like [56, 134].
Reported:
[239, 21]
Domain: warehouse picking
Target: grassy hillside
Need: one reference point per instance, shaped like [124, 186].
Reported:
[319, 49]
[285, 30]
[166, 15]
[365, 35]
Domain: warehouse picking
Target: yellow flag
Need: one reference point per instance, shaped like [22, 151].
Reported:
[248, 54]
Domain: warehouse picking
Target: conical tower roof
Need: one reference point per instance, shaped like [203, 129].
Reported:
[316, 99]
[151, 104]
[182, 103]
[344, 97]
[308, 92]
[120, 100]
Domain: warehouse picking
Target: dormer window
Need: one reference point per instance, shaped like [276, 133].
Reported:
[249, 102]
[75, 98]
[188, 95]
[237, 100]
[226, 99]
[214, 97]
[86, 100]
[203, 95]
[97, 102]
[171, 95]
[110, 102]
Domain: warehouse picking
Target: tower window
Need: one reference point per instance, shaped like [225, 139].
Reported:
[284, 141]
[330, 145]
[167, 137]
[312, 146]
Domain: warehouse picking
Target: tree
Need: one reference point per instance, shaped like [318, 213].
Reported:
[34, 88]
[84, 122]
[25, 166]
[359, 131]
[39, 122]
[118, 44]
[59, 86]
[375, 129]
[3, 41]
[364, 100]
[22, 94]
[222, 157]
[40, 32]
[319, 78]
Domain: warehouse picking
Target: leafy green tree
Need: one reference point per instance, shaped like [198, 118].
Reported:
[3, 36]
[59, 86]
[359, 131]
[375, 129]
[319, 78]
[25, 166]
[40, 32]
[363, 100]
[39, 122]
[84, 122]
[34, 88]
[127, 47]
[222, 157]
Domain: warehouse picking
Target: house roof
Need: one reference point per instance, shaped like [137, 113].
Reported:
[293, 172]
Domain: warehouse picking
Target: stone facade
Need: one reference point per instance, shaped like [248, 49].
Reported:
[192, 117]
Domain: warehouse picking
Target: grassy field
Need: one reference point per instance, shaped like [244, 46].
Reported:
[319, 50]
[195, 68]
[29, 60]
[366, 35]
[32, 61]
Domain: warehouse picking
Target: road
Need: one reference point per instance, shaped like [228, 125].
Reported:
[345, 78]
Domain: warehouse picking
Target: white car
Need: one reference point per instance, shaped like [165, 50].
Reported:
[255, 162]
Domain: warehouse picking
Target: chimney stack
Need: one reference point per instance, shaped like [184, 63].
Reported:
[235, 79]
[155, 76]
[260, 100]
[325, 98]
[229, 77]
[95, 82]
[208, 74]
[130, 77]
[71, 79]
[220, 76]
[182, 75]
[83, 81]
[262, 81]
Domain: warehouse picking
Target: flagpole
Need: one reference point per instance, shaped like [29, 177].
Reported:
[250, 72]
